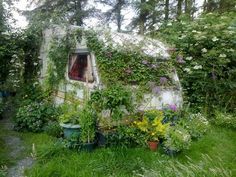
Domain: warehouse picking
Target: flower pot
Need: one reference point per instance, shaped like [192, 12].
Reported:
[170, 152]
[101, 139]
[153, 145]
[70, 130]
[89, 147]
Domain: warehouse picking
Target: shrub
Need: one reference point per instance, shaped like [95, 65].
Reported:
[177, 139]
[34, 116]
[126, 136]
[205, 58]
[53, 129]
[225, 119]
[196, 124]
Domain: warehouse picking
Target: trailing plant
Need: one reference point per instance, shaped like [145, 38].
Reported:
[126, 66]
[59, 51]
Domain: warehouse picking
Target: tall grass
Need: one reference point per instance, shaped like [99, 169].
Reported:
[207, 167]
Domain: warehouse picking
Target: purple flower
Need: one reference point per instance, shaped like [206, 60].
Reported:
[180, 59]
[109, 54]
[145, 62]
[173, 107]
[128, 71]
[151, 84]
[163, 80]
[213, 75]
[156, 90]
[154, 66]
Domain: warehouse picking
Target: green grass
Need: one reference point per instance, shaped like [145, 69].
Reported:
[213, 155]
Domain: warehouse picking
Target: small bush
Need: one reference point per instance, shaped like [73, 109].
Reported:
[196, 124]
[34, 116]
[126, 136]
[53, 129]
[177, 139]
[226, 120]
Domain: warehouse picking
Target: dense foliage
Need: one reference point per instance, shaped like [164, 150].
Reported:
[205, 58]
[128, 67]
[34, 116]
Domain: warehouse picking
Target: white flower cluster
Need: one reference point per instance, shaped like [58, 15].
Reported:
[222, 55]
[197, 67]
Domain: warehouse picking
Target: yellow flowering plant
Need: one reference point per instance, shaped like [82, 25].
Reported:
[151, 124]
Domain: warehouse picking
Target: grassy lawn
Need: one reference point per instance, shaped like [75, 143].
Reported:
[213, 155]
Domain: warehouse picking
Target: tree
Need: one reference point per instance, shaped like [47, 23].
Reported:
[148, 13]
[219, 5]
[115, 12]
[179, 8]
[71, 11]
[167, 10]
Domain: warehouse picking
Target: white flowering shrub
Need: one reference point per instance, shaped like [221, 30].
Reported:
[196, 124]
[225, 119]
[176, 139]
[15, 76]
[206, 58]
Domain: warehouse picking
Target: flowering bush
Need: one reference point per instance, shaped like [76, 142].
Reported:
[176, 139]
[205, 58]
[34, 116]
[15, 76]
[151, 124]
[170, 114]
[225, 119]
[196, 124]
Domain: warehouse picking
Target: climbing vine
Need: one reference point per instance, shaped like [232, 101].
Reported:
[128, 67]
[115, 65]
[60, 49]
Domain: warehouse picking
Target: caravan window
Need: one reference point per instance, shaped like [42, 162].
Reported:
[80, 67]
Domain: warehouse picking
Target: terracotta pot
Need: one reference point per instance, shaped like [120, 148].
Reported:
[153, 145]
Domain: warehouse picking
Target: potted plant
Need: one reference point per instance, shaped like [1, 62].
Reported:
[88, 127]
[176, 140]
[152, 127]
[1, 109]
[69, 120]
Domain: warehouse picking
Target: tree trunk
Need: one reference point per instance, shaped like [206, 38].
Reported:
[118, 14]
[188, 8]
[179, 8]
[142, 18]
[78, 13]
[167, 9]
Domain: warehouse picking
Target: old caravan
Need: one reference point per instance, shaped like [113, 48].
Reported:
[82, 69]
